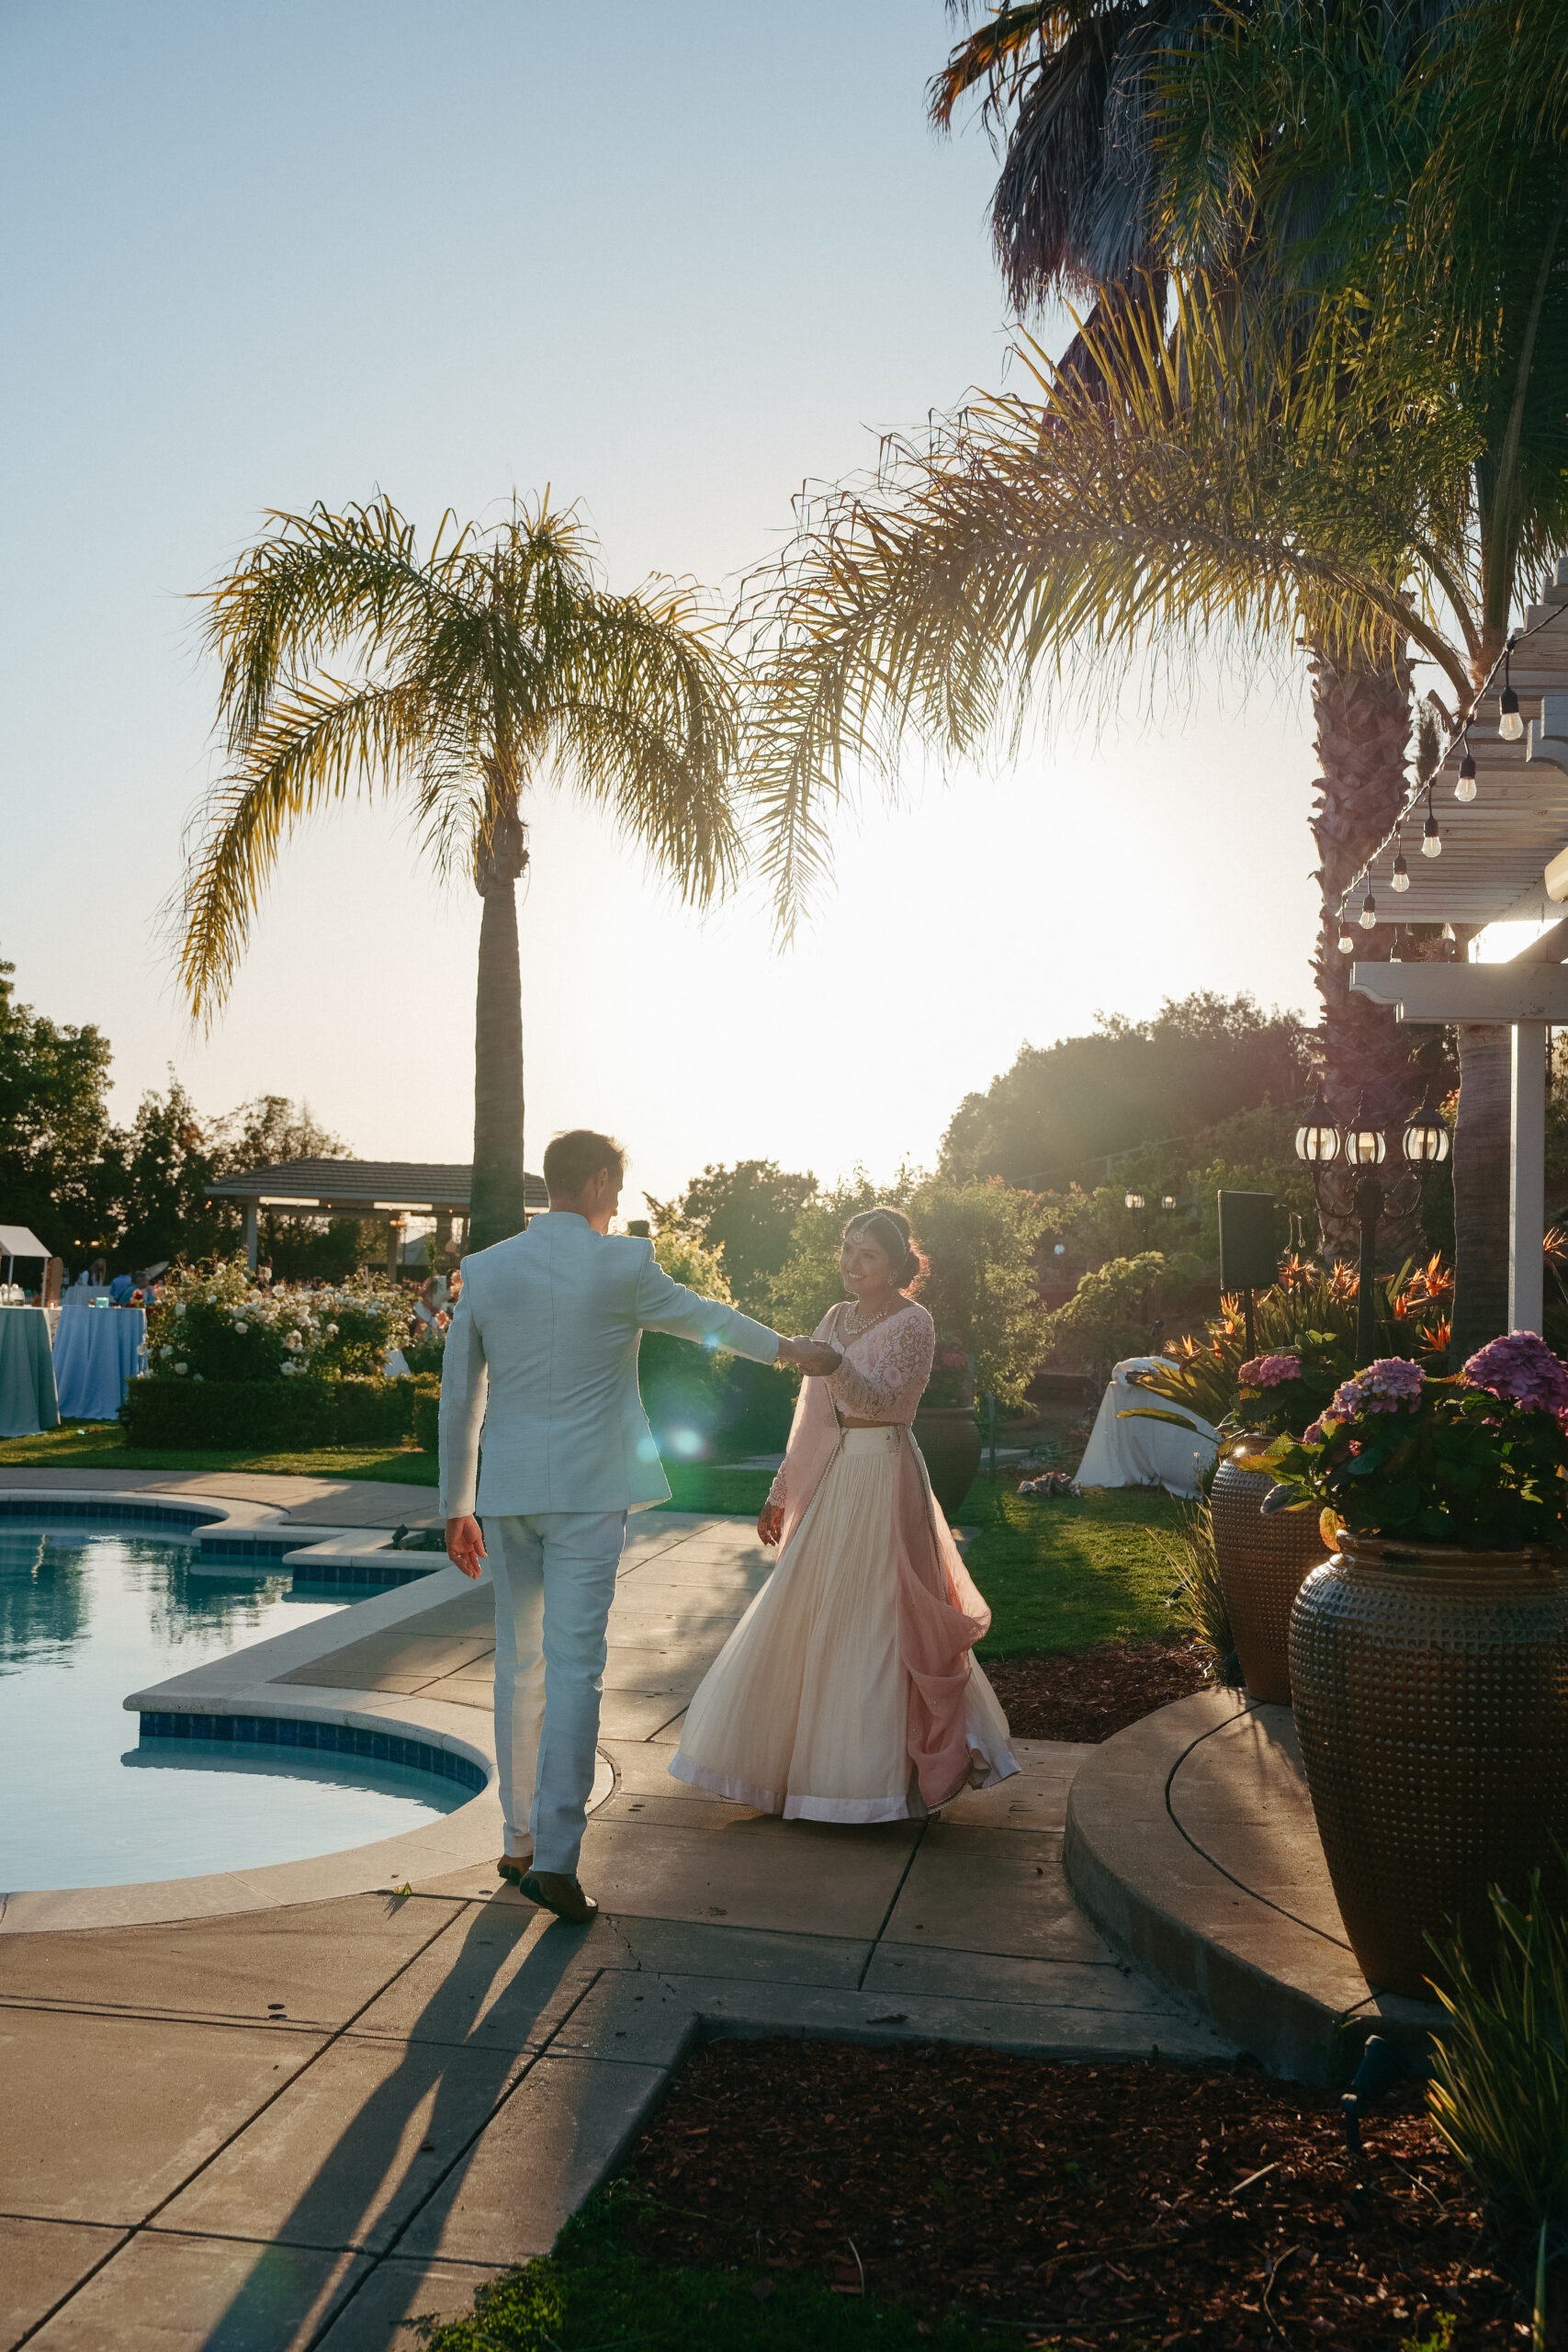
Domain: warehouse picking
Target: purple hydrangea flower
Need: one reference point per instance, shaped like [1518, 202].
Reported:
[1523, 1369]
[1270, 1372]
[1318, 1433]
[1383, 1387]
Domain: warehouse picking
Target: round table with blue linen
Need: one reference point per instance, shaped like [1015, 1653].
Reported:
[27, 1374]
[96, 1350]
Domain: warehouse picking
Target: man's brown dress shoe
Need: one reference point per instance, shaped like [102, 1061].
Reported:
[559, 1892]
[512, 1867]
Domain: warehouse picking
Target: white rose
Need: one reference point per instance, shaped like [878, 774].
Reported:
[292, 1339]
[165, 1351]
[200, 1376]
[332, 1331]
[240, 1323]
[179, 1306]
[182, 1367]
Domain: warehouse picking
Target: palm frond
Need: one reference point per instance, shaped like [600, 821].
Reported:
[1207, 485]
[315, 747]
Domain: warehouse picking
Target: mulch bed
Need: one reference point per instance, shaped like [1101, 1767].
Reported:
[1086, 2205]
[1089, 1694]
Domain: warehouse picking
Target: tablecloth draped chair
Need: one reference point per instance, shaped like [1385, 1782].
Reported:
[1145, 1452]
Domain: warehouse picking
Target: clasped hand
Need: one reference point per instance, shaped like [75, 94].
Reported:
[811, 1356]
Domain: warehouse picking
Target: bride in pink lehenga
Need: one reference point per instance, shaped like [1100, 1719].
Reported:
[849, 1690]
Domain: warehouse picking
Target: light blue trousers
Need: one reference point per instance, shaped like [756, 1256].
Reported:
[554, 1574]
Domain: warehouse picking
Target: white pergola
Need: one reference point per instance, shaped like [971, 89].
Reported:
[1503, 859]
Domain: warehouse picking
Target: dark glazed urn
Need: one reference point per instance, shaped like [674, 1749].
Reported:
[1262, 1564]
[949, 1437]
[1431, 1696]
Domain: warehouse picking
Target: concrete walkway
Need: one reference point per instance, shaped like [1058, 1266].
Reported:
[298, 2126]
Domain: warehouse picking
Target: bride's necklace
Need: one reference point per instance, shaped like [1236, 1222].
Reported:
[853, 1325]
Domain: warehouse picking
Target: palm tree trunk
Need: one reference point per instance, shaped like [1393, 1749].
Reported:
[1482, 1138]
[497, 1206]
[1362, 714]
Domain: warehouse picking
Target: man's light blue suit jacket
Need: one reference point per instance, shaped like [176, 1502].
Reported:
[541, 1358]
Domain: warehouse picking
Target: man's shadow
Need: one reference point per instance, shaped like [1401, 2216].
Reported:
[332, 2208]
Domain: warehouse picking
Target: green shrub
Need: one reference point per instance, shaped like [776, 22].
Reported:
[426, 1421]
[1499, 2090]
[205, 1415]
[1200, 1597]
[217, 1325]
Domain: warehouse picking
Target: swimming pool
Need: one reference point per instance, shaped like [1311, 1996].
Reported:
[89, 1613]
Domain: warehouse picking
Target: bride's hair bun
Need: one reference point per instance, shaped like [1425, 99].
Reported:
[889, 1228]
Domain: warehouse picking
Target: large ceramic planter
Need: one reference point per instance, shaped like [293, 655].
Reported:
[1431, 1695]
[949, 1437]
[1262, 1564]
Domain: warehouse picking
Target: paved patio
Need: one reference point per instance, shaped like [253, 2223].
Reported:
[298, 2125]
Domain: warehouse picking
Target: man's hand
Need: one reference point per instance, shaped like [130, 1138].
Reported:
[466, 1544]
[810, 1356]
[770, 1523]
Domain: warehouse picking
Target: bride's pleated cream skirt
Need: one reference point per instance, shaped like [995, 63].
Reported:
[804, 1712]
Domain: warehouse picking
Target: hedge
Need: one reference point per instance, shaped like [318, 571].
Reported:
[285, 1414]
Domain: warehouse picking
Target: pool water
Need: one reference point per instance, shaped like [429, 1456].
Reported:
[87, 1616]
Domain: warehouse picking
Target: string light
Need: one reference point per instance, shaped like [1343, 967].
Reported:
[1431, 839]
[1346, 941]
[1464, 788]
[1401, 871]
[1510, 726]
[1367, 917]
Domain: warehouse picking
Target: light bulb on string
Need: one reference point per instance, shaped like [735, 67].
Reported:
[1431, 839]
[1401, 871]
[1510, 726]
[1464, 787]
[1346, 943]
[1367, 918]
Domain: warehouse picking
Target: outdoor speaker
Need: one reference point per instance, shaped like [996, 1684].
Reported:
[1249, 1254]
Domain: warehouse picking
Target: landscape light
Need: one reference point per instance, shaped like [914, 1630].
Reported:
[1431, 839]
[1134, 1200]
[1318, 1139]
[1426, 1140]
[1510, 726]
[1367, 918]
[1364, 1146]
[1168, 1201]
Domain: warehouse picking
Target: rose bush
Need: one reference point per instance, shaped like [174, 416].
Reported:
[218, 1326]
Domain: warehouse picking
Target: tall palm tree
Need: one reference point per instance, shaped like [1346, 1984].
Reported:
[457, 678]
[1280, 142]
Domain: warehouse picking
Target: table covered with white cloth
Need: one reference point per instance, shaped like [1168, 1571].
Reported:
[1140, 1453]
[27, 1373]
[95, 1352]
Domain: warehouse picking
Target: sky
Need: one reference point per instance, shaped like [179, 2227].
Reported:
[671, 261]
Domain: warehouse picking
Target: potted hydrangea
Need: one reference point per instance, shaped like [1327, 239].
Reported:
[1261, 1560]
[1429, 1655]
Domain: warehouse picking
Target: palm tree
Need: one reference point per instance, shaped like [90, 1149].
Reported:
[494, 662]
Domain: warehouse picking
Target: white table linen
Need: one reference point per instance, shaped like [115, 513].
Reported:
[1143, 1453]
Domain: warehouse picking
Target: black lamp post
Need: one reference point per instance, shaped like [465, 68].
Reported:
[1346, 1183]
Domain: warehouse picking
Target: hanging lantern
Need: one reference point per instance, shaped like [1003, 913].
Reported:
[1364, 1146]
[1426, 1140]
[1318, 1139]
[1133, 1200]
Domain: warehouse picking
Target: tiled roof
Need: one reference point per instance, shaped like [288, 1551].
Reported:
[350, 1184]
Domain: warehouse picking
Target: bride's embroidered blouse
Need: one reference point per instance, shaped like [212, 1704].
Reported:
[884, 1371]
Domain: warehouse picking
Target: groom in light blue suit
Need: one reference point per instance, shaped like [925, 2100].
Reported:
[541, 1358]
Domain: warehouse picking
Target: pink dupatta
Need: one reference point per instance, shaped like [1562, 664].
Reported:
[940, 1614]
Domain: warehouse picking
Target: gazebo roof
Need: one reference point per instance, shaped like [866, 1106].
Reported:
[359, 1187]
[1497, 846]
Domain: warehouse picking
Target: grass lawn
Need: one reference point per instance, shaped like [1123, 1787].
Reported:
[1059, 1576]
[594, 2293]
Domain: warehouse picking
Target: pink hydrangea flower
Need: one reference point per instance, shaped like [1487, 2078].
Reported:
[1523, 1369]
[1270, 1372]
[1383, 1387]
[1318, 1431]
